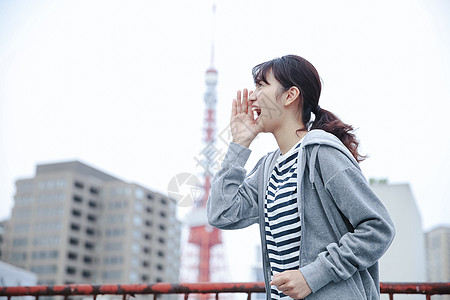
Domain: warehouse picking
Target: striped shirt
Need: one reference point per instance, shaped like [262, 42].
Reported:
[282, 217]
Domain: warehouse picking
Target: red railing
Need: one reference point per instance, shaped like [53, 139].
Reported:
[427, 289]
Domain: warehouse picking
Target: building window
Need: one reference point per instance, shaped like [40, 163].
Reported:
[78, 185]
[162, 227]
[135, 247]
[116, 274]
[145, 278]
[45, 269]
[49, 211]
[115, 219]
[115, 231]
[163, 201]
[138, 207]
[92, 204]
[51, 198]
[148, 223]
[92, 218]
[76, 212]
[134, 277]
[134, 262]
[75, 227]
[137, 220]
[146, 264]
[90, 231]
[113, 260]
[86, 274]
[93, 190]
[89, 245]
[160, 254]
[77, 199]
[139, 193]
[18, 256]
[25, 186]
[150, 197]
[24, 200]
[159, 267]
[39, 255]
[161, 240]
[146, 250]
[162, 214]
[21, 228]
[20, 242]
[48, 226]
[72, 256]
[116, 246]
[25, 213]
[71, 270]
[87, 259]
[148, 236]
[73, 241]
[149, 209]
[117, 205]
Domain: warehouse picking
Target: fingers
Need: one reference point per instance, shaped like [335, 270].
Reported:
[239, 104]
[277, 280]
[245, 101]
[233, 108]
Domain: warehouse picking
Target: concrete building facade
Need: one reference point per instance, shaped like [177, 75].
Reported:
[438, 256]
[73, 223]
[405, 260]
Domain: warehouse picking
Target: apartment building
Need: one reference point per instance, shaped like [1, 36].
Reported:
[72, 223]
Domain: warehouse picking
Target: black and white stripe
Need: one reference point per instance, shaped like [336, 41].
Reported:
[282, 217]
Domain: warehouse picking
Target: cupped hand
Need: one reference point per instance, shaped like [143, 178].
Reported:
[292, 283]
[242, 121]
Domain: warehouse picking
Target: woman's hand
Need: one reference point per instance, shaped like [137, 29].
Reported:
[292, 283]
[242, 122]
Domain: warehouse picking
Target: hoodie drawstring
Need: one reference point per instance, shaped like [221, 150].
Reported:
[312, 164]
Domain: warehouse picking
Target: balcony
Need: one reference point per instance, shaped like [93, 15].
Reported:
[187, 289]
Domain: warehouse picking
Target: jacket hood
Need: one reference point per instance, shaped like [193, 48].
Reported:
[317, 138]
[320, 137]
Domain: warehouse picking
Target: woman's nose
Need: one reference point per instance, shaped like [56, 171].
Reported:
[252, 96]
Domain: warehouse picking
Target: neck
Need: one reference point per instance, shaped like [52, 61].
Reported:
[288, 136]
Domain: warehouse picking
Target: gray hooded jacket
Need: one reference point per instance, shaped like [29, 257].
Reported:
[345, 227]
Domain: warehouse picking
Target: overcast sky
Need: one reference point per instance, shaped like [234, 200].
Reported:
[119, 84]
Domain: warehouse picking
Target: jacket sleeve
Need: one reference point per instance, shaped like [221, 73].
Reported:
[373, 230]
[232, 202]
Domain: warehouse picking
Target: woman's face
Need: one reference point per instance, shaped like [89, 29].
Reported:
[266, 102]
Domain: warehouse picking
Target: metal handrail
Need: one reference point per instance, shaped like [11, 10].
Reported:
[424, 288]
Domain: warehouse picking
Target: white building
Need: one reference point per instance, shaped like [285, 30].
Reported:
[14, 276]
[438, 256]
[405, 260]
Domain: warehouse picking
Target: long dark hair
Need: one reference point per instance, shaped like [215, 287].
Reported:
[293, 70]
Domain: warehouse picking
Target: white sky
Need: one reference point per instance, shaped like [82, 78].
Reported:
[119, 85]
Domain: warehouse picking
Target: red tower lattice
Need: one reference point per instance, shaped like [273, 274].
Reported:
[201, 233]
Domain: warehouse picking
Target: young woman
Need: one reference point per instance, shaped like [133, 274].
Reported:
[322, 228]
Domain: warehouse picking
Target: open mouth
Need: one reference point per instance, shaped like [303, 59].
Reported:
[256, 112]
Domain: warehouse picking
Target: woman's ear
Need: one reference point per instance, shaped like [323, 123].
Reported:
[291, 95]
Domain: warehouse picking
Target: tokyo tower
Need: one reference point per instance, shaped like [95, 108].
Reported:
[201, 235]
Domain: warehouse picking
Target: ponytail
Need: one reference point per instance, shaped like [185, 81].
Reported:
[329, 122]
